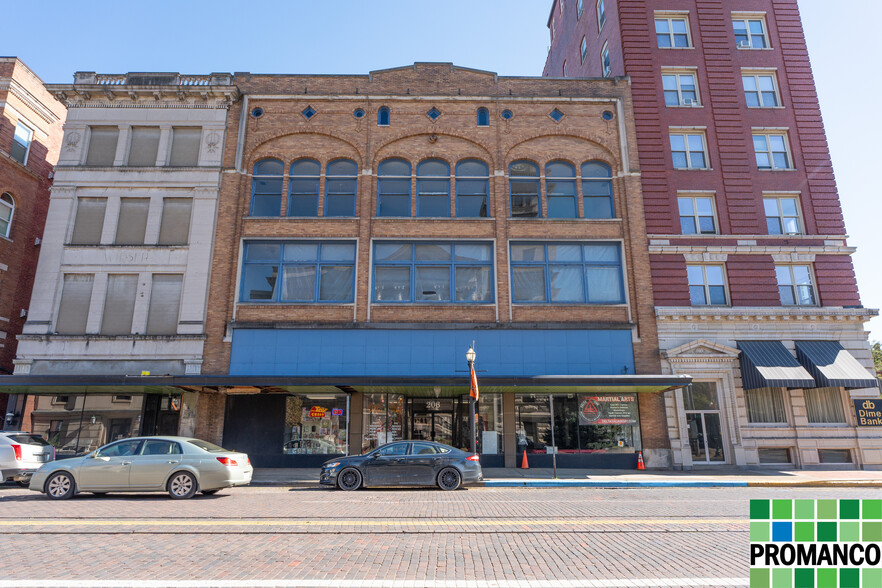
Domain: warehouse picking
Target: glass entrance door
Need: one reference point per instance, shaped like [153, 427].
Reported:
[433, 426]
[703, 423]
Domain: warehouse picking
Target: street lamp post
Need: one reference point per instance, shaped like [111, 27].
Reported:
[470, 357]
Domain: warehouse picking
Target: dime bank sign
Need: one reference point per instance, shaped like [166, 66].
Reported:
[868, 412]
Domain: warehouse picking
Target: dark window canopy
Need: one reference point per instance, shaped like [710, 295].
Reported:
[833, 366]
[768, 364]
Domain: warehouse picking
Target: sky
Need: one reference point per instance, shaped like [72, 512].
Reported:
[505, 36]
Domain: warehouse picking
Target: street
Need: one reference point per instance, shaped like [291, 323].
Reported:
[280, 536]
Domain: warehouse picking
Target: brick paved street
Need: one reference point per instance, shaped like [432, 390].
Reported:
[277, 536]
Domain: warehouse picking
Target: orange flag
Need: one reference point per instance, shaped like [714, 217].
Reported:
[473, 389]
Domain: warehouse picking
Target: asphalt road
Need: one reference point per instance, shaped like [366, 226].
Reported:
[481, 537]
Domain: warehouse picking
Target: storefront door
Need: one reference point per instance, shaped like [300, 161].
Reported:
[433, 426]
[703, 423]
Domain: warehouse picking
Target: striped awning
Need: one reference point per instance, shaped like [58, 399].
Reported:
[768, 364]
[833, 366]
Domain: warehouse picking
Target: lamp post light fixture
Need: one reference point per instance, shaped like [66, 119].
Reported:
[470, 358]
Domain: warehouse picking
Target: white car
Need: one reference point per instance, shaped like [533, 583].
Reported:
[22, 454]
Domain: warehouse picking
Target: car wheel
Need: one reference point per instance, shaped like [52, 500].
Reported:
[60, 486]
[349, 479]
[210, 492]
[449, 479]
[182, 485]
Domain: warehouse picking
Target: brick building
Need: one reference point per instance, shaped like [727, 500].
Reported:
[754, 289]
[30, 136]
[367, 230]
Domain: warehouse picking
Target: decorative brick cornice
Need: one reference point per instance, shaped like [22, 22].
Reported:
[755, 313]
[39, 108]
[147, 90]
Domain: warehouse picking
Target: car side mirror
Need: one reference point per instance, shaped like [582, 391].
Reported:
[375, 456]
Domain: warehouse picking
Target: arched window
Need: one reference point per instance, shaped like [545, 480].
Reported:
[266, 188]
[393, 188]
[383, 116]
[341, 182]
[433, 188]
[524, 189]
[472, 188]
[7, 209]
[303, 192]
[597, 195]
[560, 190]
[483, 117]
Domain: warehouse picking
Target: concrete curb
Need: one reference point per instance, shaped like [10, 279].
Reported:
[623, 484]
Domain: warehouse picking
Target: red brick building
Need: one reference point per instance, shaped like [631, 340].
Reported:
[30, 139]
[746, 234]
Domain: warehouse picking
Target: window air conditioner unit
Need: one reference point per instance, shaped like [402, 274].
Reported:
[688, 102]
[696, 103]
[744, 44]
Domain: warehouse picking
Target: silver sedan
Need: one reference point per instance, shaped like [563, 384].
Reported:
[180, 466]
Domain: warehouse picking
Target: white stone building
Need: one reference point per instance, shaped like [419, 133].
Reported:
[122, 280]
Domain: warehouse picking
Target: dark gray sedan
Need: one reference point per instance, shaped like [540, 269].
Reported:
[404, 463]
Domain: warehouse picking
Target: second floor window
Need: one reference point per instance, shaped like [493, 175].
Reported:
[672, 33]
[266, 188]
[597, 194]
[560, 190]
[750, 33]
[393, 188]
[760, 90]
[89, 221]
[119, 304]
[310, 271]
[688, 150]
[440, 272]
[303, 188]
[707, 286]
[472, 189]
[697, 215]
[340, 188]
[567, 273]
[771, 151]
[782, 215]
[73, 309]
[524, 189]
[680, 89]
[21, 143]
[433, 188]
[795, 285]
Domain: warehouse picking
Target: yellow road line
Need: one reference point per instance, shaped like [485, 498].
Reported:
[355, 523]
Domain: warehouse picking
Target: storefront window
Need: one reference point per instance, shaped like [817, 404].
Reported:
[489, 427]
[78, 424]
[583, 423]
[383, 416]
[315, 425]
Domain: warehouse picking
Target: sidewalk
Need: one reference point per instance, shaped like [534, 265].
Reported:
[698, 478]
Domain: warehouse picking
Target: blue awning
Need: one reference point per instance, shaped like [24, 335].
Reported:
[768, 364]
[833, 366]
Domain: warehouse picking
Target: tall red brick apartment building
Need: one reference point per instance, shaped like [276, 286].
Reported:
[754, 289]
[30, 139]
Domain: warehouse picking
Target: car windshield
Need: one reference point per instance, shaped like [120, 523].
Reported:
[206, 446]
[28, 440]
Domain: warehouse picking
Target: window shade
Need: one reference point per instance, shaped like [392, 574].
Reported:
[185, 146]
[175, 226]
[119, 304]
[73, 311]
[102, 145]
[824, 405]
[765, 405]
[165, 301]
[132, 221]
[89, 221]
[144, 147]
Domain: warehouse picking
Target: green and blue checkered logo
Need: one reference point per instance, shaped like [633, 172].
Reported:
[815, 543]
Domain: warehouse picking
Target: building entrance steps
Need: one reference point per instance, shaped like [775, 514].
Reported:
[703, 477]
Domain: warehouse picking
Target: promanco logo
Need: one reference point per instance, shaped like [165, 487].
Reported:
[815, 543]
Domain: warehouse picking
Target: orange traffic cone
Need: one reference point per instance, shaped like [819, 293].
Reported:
[524, 464]
[640, 465]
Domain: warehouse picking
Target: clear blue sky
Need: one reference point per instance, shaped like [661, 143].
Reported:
[506, 36]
